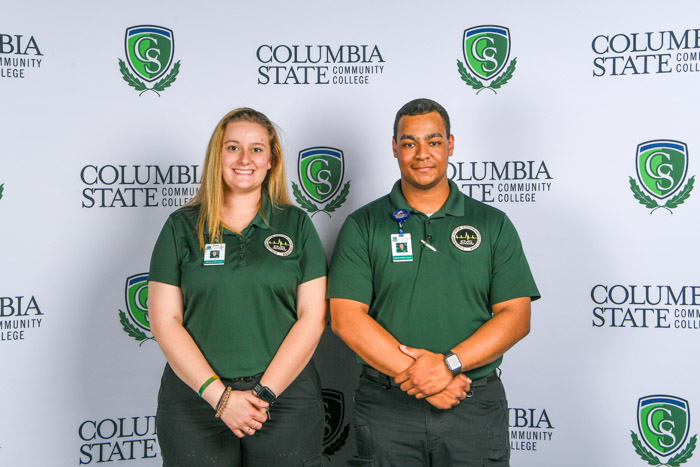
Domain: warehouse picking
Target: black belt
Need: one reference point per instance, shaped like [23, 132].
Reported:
[387, 381]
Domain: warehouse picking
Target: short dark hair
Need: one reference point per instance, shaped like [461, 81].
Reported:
[422, 106]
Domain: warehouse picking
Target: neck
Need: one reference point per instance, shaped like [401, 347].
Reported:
[426, 200]
[240, 209]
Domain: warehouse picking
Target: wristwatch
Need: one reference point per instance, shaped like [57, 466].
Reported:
[454, 364]
[265, 393]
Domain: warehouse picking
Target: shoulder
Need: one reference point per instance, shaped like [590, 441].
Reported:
[371, 211]
[484, 210]
[186, 215]
[285, 214]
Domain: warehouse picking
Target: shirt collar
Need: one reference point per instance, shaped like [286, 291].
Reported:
[454, 205]
[266, 209]
[259, 220]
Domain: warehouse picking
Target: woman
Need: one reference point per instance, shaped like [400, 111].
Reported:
[237, 304]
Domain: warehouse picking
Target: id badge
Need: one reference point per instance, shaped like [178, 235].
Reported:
[214, 254]
[401, 249]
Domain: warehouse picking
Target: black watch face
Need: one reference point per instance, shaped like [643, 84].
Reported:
[266, 395]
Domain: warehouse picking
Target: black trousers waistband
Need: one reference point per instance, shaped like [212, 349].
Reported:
[387, 381]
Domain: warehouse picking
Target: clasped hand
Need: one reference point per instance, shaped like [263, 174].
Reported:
[429, 378]
[245, 413]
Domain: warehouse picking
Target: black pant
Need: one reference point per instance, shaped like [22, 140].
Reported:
[395, 429]
[189, 434]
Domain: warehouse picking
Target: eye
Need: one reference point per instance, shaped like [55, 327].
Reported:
[408, 145]
[256, 149]
[232, 147]
[435, 143]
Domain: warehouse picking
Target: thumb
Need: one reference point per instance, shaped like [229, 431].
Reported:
[257, 402]
[411, 351]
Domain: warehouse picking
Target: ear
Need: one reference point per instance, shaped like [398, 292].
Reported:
[393, 147]
[451, 145]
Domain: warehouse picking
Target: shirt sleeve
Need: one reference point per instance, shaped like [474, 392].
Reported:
[350, 274]
[512, 277]
[165, 263]
[313, 257]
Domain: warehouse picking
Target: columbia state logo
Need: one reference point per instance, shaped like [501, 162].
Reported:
[466, 238]
[662, 167]
[664, 425]
[279, 244]
[486, 50]
[335, 434]
[321, 170]
[149, 53]
[136, 323]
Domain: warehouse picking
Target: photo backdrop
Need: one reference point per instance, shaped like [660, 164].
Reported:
[577, 119]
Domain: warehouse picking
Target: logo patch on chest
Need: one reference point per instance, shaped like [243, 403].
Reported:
[279, 244]
[466, 238]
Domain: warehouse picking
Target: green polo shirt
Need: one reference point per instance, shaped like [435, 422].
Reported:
[238, 313]
[441, 297]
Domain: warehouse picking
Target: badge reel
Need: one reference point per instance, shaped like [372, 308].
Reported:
[401, 248]
[214, 254]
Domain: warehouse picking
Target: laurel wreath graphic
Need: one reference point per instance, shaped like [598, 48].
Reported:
[674, 202]
[139, 85]
[472, 81]
[307, 204]
[647, 456]
[2, 188]
[132, 330]
[338, 443]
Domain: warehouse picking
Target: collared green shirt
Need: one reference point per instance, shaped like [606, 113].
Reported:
[441, 297]
[238, 313]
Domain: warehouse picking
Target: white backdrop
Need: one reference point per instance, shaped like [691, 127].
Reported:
[79, 389]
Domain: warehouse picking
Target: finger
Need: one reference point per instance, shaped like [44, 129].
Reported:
[259, 418]
[258, 403]
[464, 377]
[238, 433]
[407, 386]
[410, 351]
[401, 377]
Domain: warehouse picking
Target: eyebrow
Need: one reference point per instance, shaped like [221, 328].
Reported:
[238, 142]
[430, 136]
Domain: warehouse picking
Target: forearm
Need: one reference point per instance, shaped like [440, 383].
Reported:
[294, 354]
[374, 344]
[299, 344]
[186, 359]
[510, 323]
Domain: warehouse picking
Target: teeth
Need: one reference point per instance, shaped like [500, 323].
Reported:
[244, 172]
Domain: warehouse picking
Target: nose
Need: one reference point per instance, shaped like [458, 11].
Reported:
[245, 157]
[421, 150]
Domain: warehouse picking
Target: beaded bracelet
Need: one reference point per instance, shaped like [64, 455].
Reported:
[206, 384]
[222, 402]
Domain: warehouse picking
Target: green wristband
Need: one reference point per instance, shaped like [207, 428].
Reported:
[206, 384]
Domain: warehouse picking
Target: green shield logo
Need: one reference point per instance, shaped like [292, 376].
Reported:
[137, 299]
[486, 50]
[321, 172]
[149, 50]
[663, 422]
[662, 166]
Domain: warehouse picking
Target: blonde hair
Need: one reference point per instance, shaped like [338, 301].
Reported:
[210, 196]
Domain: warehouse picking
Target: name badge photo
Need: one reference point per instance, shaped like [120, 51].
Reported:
[214, 254]
[401, 249]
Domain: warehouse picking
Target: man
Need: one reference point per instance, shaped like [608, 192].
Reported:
[429, 325]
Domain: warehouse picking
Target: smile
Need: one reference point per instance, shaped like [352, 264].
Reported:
[243, 172]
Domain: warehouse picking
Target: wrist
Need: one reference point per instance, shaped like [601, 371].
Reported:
[265, 393]
[213, 393]
[453, 363]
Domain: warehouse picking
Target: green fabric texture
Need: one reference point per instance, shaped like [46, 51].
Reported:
[238, 313]
[441, 297]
